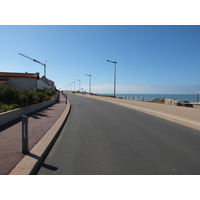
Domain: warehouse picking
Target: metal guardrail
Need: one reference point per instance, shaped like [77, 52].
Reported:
[136, 98]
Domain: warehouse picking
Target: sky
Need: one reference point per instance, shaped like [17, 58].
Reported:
[150, 58]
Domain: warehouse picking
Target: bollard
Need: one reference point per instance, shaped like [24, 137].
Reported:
[24, 134]
[66, 99]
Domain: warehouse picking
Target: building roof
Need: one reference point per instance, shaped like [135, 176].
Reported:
[48, 81]
[21, 75]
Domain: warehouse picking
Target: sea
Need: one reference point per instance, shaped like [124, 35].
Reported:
[192, 98]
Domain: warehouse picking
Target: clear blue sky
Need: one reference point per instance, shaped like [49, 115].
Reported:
[150, 59]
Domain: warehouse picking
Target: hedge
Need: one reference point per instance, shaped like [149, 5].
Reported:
[12, 98]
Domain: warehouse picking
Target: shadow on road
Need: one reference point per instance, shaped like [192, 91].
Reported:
[50, 167]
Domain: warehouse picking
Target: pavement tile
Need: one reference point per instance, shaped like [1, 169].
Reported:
[11, 134]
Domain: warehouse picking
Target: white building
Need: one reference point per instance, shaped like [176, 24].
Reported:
[41, 84]
[19, 80]
[50, 83]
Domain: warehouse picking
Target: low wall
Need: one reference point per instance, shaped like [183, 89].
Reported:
[173, 102]
[15, 114]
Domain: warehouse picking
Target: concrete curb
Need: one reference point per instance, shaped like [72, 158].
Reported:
[30, 163]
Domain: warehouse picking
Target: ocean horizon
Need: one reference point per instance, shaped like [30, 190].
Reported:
[192, 98]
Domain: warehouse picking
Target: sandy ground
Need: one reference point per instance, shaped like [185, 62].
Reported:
[183, 115]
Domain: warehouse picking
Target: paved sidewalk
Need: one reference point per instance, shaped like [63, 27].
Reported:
[11, 134]
[183, 115]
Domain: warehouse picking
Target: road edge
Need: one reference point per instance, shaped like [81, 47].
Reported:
[30, 163]
[175, 119]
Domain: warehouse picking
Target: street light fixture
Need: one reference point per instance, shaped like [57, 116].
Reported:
[79, 84]
[89, 82]
[114, 75]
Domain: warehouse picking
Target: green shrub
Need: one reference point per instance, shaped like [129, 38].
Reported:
[8, 95]
[4, 108]
[14, 106]
[23, 101]
[12, 98]
[41, 96]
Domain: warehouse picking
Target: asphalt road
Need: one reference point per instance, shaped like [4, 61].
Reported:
[107, 139]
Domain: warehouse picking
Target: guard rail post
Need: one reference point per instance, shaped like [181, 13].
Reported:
[66, 98]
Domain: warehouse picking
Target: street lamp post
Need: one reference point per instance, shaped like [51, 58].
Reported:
[79, 84]
[114, 75]
[89, 82]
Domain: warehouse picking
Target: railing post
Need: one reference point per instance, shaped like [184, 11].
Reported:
[25, 134]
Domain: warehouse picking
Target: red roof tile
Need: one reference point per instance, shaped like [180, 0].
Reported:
[21, 75]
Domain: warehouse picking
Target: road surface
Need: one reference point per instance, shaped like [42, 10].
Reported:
[100, 138]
